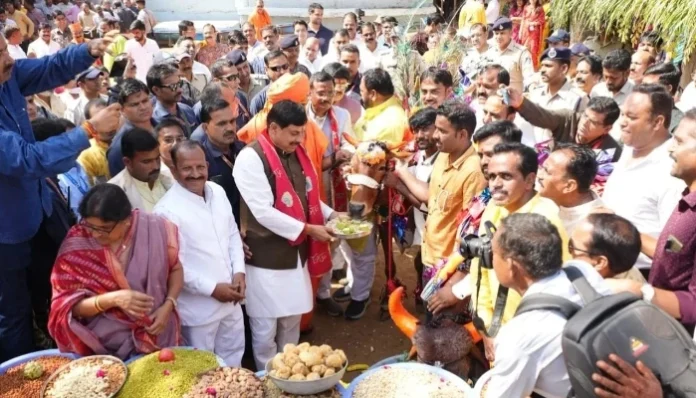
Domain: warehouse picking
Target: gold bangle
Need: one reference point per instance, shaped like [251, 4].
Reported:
[172, 300]
[96, 304]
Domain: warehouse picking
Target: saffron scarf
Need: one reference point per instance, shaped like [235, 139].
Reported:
[287, 202]
[338, 185]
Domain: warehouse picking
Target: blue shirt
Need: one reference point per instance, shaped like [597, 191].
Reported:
[324, 35]
[25, 163]
[183, 112]
[259, 101]
[258, 66]
[114, 155]
[220, 172]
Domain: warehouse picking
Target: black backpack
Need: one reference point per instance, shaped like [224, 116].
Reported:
[622, 324]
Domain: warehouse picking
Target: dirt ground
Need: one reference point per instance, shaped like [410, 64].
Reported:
[369, 340]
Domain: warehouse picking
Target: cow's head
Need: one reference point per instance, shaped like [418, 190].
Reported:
[366, 172]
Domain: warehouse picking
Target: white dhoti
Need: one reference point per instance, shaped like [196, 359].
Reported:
[269, 336]
[224, 337]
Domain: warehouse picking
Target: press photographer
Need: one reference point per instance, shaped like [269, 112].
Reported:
[527, 258]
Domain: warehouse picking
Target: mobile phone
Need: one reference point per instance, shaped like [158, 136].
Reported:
[119, 66]
[503, 92]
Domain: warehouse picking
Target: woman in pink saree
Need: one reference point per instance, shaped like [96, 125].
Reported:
[532, 29]
[116, 280]
[516, 14]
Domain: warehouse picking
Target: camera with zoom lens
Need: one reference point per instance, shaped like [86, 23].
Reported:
[472, 246]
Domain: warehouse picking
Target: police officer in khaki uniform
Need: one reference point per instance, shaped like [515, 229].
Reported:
[556, 91]
[514, 57]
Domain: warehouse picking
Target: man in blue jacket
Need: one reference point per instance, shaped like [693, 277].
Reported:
[24, 165]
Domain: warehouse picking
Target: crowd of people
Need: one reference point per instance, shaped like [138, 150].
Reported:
[153, 198]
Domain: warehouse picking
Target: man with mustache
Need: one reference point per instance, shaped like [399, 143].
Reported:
[588, 73]
[333, 121]
[24, 165]
[141, 49]
[616, 66]
[142, 180]
[285, 229]
[455, 179]
[270, 44]
[211, 253]
[590, 127]
[165, 84]
[371, 50]
[640, 62]
[557, 91]
[435, 87]
[276, 65]
[220, 145]
[566, 177]
[668, 76]
[211, 50]
[310, 55]
[255, 46]
[43, 45]
[512, 174]
[514, 57]
[248, 85]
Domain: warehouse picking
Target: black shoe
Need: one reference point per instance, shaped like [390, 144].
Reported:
[331, 307]
[341, 295]
[356, 309]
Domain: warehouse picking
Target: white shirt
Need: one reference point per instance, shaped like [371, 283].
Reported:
[601, 90]
[210, 249]
[687, 101]
[272, 293]
[528, 353]
[256, 49]
[16, 52]
[42, 49]
[572, 216]
[142, 55]
[644, 192]
[200, 69]
[75, 111]
[313, 66]
[422, 171]
[492, 11]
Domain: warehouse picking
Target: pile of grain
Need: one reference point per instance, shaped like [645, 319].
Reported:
[389, 382]
[14, 385]
[148, 377]
[89, 377]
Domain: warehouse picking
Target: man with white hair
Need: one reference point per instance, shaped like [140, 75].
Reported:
[310, 55]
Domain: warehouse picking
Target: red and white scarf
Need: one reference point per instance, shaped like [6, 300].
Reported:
[287, 201]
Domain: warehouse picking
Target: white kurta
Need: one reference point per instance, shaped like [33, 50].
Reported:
[272, 293]
[210, 249]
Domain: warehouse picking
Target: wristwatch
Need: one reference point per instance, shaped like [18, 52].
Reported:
[648, 292]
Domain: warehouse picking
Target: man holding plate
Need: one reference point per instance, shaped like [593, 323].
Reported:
[284, 221]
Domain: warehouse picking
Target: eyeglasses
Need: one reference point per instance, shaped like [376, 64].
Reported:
[98, 230]
[230, 78]
[173, 140]
[174, 86]
[572, 249]
[279, 68]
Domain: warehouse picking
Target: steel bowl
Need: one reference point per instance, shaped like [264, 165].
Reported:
[306, 387]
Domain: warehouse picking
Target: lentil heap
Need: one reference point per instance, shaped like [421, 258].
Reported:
[148, 377]
[391, 382]
[13, 384]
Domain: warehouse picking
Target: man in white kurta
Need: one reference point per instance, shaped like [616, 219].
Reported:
[212, 255]
[276, 298]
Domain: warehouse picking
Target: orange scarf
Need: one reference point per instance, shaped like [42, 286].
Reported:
[260, 19]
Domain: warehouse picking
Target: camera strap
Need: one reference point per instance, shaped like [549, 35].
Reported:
[498, 310]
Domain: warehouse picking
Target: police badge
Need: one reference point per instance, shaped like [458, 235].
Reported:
[286, 199]
[552, 53]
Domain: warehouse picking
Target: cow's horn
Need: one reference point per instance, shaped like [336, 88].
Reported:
[403, 320]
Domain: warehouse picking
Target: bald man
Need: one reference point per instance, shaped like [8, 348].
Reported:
[310, 55]
[641, 60]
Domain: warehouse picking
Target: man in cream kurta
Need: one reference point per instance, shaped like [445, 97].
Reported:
[212, 255]
[143, 180]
